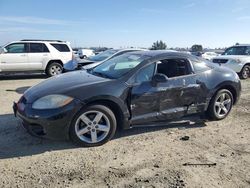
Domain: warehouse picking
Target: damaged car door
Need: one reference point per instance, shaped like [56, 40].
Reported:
[144, 97]
[181, 92]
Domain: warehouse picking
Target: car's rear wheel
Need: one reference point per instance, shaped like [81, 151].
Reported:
[54, 69]
[245, 72]
[93, 126]
[220, 105]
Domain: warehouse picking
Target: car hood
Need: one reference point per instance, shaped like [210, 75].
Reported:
[92, 65]
[73, 64]
[61, 84]
[86, 61]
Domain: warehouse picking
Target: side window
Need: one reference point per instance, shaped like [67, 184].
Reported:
[173, 67]
[120, 53]
[248, 50]
[123, 52]
[145, 74]
[16, 48]
[60, 47]
[38, 48]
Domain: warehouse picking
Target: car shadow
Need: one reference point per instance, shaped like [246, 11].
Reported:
[19, 90]
[145, 129]
[22, 76]
[16, 142]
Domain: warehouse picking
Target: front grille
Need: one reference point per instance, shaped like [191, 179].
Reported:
[220, 61]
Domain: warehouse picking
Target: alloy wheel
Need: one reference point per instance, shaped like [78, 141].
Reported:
[223, 104]
[246, 72]
[55, 70]
[92, 126]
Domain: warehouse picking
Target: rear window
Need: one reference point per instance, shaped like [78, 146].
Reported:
[38, 48]
[61, 47]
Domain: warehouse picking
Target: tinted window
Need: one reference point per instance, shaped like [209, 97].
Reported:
[145, 74]
[61, 47]
[236, 50]
[248, 50]
[38, 48]
[173, 67]
[16, 48]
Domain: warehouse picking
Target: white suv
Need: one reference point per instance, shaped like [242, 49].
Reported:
[237, 58]
[47, 56]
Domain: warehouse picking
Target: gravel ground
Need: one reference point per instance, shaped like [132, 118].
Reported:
[142, 157]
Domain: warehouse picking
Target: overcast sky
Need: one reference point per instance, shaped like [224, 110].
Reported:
[122, 23]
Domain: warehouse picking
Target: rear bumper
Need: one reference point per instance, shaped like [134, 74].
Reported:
[53, 123]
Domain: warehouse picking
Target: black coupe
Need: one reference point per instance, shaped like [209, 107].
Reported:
[134, 89]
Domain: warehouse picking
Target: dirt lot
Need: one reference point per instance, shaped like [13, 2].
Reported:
[143, 157]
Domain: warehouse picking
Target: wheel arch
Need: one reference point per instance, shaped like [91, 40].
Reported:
[230, 88]
[53, 61]
[119, 109]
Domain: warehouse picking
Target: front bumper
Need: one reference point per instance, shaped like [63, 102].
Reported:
[237, 67]
[52, 123]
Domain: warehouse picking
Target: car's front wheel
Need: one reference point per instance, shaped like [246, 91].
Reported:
[220, 105]
[93, 126]
[245, 72]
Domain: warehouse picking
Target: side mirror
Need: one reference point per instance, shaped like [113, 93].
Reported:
[3, 50]
[159, 78]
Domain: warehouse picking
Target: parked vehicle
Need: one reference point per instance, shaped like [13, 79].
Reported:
[198, 54]
[76, 55]
[85, 53]
[236, 58]
[142, 88]
[35, 55]
[104, 56]
[209, 55]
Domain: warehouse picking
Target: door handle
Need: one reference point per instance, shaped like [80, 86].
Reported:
[45, 54]
[22, 55]
[3, 62]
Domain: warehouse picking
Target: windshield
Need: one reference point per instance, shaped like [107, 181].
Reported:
[237, 50]
[102, 56]
[118, 66]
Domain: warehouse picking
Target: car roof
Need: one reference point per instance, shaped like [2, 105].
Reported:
[153, 53]
[40, 41]
[241, 45]
[128, 49]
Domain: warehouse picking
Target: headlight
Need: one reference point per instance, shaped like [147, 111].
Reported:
[51, 102]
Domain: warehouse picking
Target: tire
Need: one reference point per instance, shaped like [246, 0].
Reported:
[245, 72]
[83, 57]
[93, 126]
[220, 106]
[54, 69]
